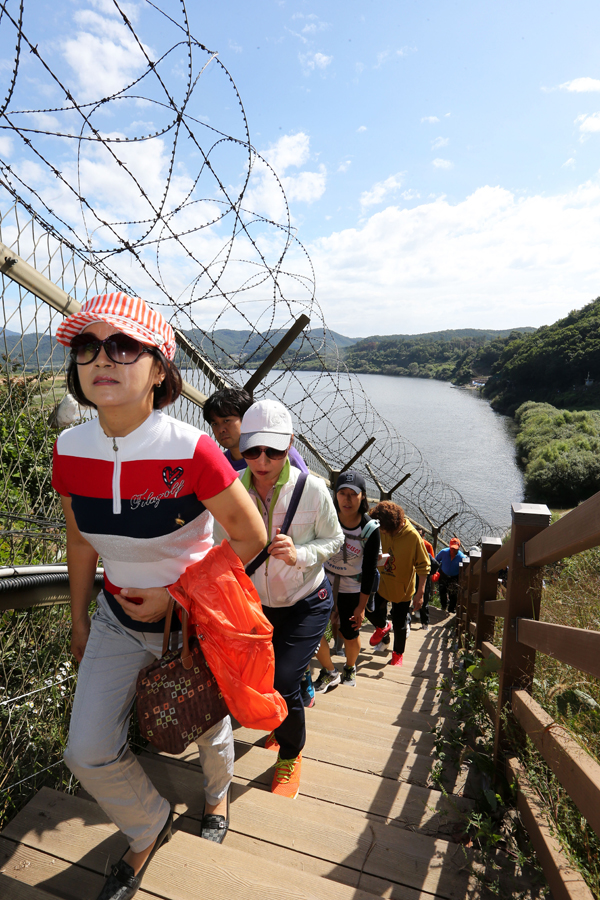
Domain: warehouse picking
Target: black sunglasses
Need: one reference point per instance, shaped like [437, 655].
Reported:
[270, 453]
[119, 347]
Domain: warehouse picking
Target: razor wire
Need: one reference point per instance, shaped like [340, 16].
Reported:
[155, 188]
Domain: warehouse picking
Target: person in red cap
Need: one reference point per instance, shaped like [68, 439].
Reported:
[139, 489]
[449, 560]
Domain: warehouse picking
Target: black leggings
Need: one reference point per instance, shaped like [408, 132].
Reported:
[399, 613]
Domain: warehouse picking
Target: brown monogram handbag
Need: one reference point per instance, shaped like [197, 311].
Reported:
[178, 697]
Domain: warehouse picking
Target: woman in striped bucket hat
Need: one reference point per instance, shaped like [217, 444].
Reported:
[140, 489]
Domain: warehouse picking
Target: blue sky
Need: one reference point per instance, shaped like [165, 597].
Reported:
[441, 160]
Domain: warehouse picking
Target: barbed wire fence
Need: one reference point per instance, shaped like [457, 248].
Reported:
[136, 189]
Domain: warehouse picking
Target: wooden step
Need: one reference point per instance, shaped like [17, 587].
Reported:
[343, 837]
[68, 830]
[418, 808]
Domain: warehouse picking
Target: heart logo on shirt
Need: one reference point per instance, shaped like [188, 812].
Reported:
[170, 476]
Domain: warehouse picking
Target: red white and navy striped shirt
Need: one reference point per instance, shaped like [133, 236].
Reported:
[138, 499]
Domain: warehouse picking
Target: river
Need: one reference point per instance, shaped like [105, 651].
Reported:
[459, 434]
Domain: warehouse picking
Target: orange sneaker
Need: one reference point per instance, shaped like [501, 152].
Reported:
[286, 780]
[271, 742]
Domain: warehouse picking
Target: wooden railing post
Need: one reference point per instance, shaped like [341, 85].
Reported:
[523, 595]
[460, 600]
[488, 586]
[472, 589]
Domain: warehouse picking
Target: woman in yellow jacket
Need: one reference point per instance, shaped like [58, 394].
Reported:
[407, 558]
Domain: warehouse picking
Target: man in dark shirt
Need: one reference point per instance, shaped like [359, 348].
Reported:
[224, 411]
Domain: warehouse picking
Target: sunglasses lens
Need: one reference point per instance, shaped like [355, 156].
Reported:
[120, 348]
[84, 348]
[270, 452]
[123, 349]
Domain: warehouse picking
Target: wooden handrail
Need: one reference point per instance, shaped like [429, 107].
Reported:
[578, 530]
[565, 883]
[495, 608]
[576, 770]
[576, 647]
[489, 649]
[477, 568]
[500, 558]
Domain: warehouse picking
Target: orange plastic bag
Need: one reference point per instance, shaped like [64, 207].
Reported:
[435, 577]
[234, 634]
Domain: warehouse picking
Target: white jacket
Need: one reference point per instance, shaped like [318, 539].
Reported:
[315, 531]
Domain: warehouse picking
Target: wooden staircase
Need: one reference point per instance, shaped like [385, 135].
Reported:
[367, 822]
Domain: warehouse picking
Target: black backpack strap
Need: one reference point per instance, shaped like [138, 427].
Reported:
[291, 512]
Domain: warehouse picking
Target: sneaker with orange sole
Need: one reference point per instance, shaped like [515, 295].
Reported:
[396, 659]
[271, 742]
[286, 780]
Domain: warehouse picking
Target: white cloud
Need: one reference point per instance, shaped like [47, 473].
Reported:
[235, 47]
[5, 147]
[442, 163]
[589, 124]
[411, 194]
[569, 164]
[290, 150]
[264, 195]
[312, 61]
[344, 166]
[103, 55]
[581, 85]
[305, 187]
[439, 142]
[361, 128]
[431, 119]
[322, 61]
[492, 260]
[380, 191]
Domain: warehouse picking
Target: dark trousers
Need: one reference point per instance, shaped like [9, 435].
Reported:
[378, 615]
[399, 619]
[297, 630]
[448, 589]
[399, 614]
[424, 611]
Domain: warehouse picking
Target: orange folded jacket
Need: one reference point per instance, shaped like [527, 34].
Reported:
[234, 634]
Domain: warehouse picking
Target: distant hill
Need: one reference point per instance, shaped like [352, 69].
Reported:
[451, 334]
[456, 355]
[247, 348]
[552, 365]
[34, 350]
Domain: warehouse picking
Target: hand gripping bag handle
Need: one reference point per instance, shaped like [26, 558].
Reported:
[187, 660]
[291, 512]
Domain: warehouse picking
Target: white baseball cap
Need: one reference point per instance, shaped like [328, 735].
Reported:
[266, 424]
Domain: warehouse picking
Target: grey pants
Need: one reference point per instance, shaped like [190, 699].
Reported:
[97, 751]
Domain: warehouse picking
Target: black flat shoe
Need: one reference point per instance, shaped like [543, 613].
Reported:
[122, 883]
[214, 828]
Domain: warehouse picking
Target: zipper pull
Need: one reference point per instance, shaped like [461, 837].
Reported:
[115, 448]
